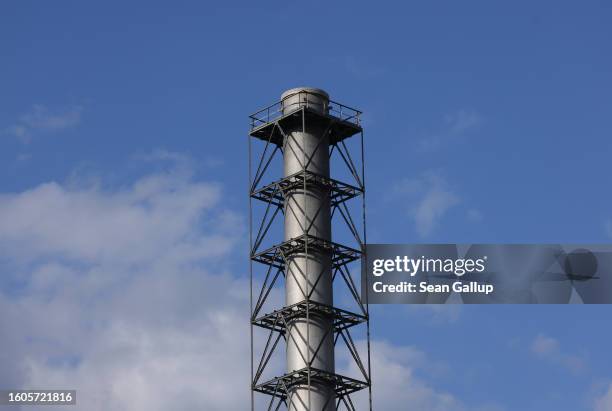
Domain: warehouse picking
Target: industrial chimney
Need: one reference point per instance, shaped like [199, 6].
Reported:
[307, 128]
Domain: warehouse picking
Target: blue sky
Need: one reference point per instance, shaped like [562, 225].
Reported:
[484, 122]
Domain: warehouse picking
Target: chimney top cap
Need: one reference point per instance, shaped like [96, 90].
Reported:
[311, 90]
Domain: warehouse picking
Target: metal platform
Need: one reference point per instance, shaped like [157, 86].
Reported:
[278, 255]
[279, 320]
[279, 386]
[276, 191]
[271, 127]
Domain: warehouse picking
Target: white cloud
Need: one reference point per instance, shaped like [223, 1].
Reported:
[42, 119]
[399, 382]
[456, 125]
[397, 385]
[429, 198]
[549, 348]
[544, 345]
[463, 120]
[604, 403]
[133, 224]
[124, 295]
[436, 202]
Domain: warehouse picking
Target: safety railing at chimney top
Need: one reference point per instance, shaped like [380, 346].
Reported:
[275, 111]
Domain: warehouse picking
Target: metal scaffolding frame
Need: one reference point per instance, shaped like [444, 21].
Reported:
[268, 263]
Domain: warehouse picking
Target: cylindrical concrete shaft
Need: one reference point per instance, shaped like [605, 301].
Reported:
[308, 273]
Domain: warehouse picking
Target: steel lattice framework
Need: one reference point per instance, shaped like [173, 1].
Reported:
[270, 256]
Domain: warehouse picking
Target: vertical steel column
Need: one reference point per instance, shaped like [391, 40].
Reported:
[309, 273]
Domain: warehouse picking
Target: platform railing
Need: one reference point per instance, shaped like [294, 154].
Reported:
[278, 109]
